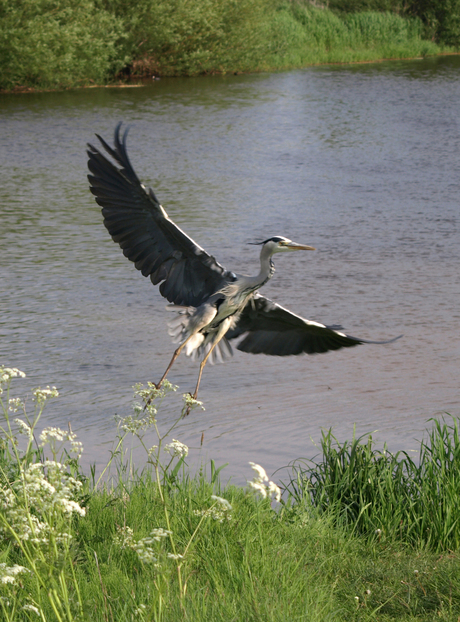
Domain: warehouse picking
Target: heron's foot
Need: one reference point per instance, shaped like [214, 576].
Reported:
[156, 388]
[189, 399]
[191, 402]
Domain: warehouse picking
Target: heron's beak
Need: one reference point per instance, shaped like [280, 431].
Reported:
[293, 246]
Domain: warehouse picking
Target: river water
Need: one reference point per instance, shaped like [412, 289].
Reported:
[361, 161]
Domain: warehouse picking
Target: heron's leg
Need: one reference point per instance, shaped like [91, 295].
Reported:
[224, 326]
[177, 351]
[200, 373]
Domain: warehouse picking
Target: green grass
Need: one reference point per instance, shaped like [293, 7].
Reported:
[348, 542]
[304, 35]
[411, 499]
[257, 566]
[63, 43]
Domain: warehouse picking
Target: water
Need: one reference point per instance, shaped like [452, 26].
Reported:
[360, 161]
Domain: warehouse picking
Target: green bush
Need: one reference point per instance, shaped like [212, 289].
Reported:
[441, 19]
[187, 37]
[51, 43]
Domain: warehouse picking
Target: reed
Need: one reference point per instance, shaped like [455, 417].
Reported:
[382, 495]
[303, 35]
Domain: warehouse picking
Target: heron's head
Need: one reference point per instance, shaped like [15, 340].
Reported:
[279, 244]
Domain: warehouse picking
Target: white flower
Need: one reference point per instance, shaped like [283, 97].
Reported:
[145, 553]
[31, 608]
[150, 393]
[69, 506]
[134, 425]
[124, 537]
[190, 402]
[7, 579]
[274, 491]
[77, 448]
[50, 490]
[176, 449]
[259, 488]
[173, 556]
[219, 511]
[6, 373]
[8, 573]
[23, 427]
[261, 475]
[41, 395]
[14, 404]
[52, 433]
[257, 485]
[223, 502]
[159, 533]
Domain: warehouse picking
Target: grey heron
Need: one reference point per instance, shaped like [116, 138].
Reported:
[214, 305]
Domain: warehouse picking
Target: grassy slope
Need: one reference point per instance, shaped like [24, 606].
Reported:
[258, 566]
[102, 554]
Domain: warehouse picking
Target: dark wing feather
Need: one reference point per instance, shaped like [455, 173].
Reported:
[271, 329]
[137, 222]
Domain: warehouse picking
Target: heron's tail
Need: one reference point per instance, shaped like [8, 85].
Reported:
[181, 327]
[221, 353]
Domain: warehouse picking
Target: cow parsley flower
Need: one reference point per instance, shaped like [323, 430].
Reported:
[41, 395]
[175, 556]
[6, 373]
[158, 534]
[14, 404]
[50, 491]
[222, 502]
[8, 573]
[176, 449]
[52, 433]
[190, 402]
[219, 511]
[23, 428]
[140, 610]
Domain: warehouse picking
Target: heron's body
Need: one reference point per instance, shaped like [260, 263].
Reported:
[214, 305]
[208, 324]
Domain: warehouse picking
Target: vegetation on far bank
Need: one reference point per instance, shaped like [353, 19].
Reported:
[63, 43]
[359, 535]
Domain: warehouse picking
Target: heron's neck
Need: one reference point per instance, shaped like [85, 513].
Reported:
[267, 269]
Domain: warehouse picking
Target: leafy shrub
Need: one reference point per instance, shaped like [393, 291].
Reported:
[57, 43]
[186, 37]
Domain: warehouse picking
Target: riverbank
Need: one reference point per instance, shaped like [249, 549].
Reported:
[84, 44]
[355, 536]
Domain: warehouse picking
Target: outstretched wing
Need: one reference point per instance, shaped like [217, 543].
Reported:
[271, 329]
[148, 237]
